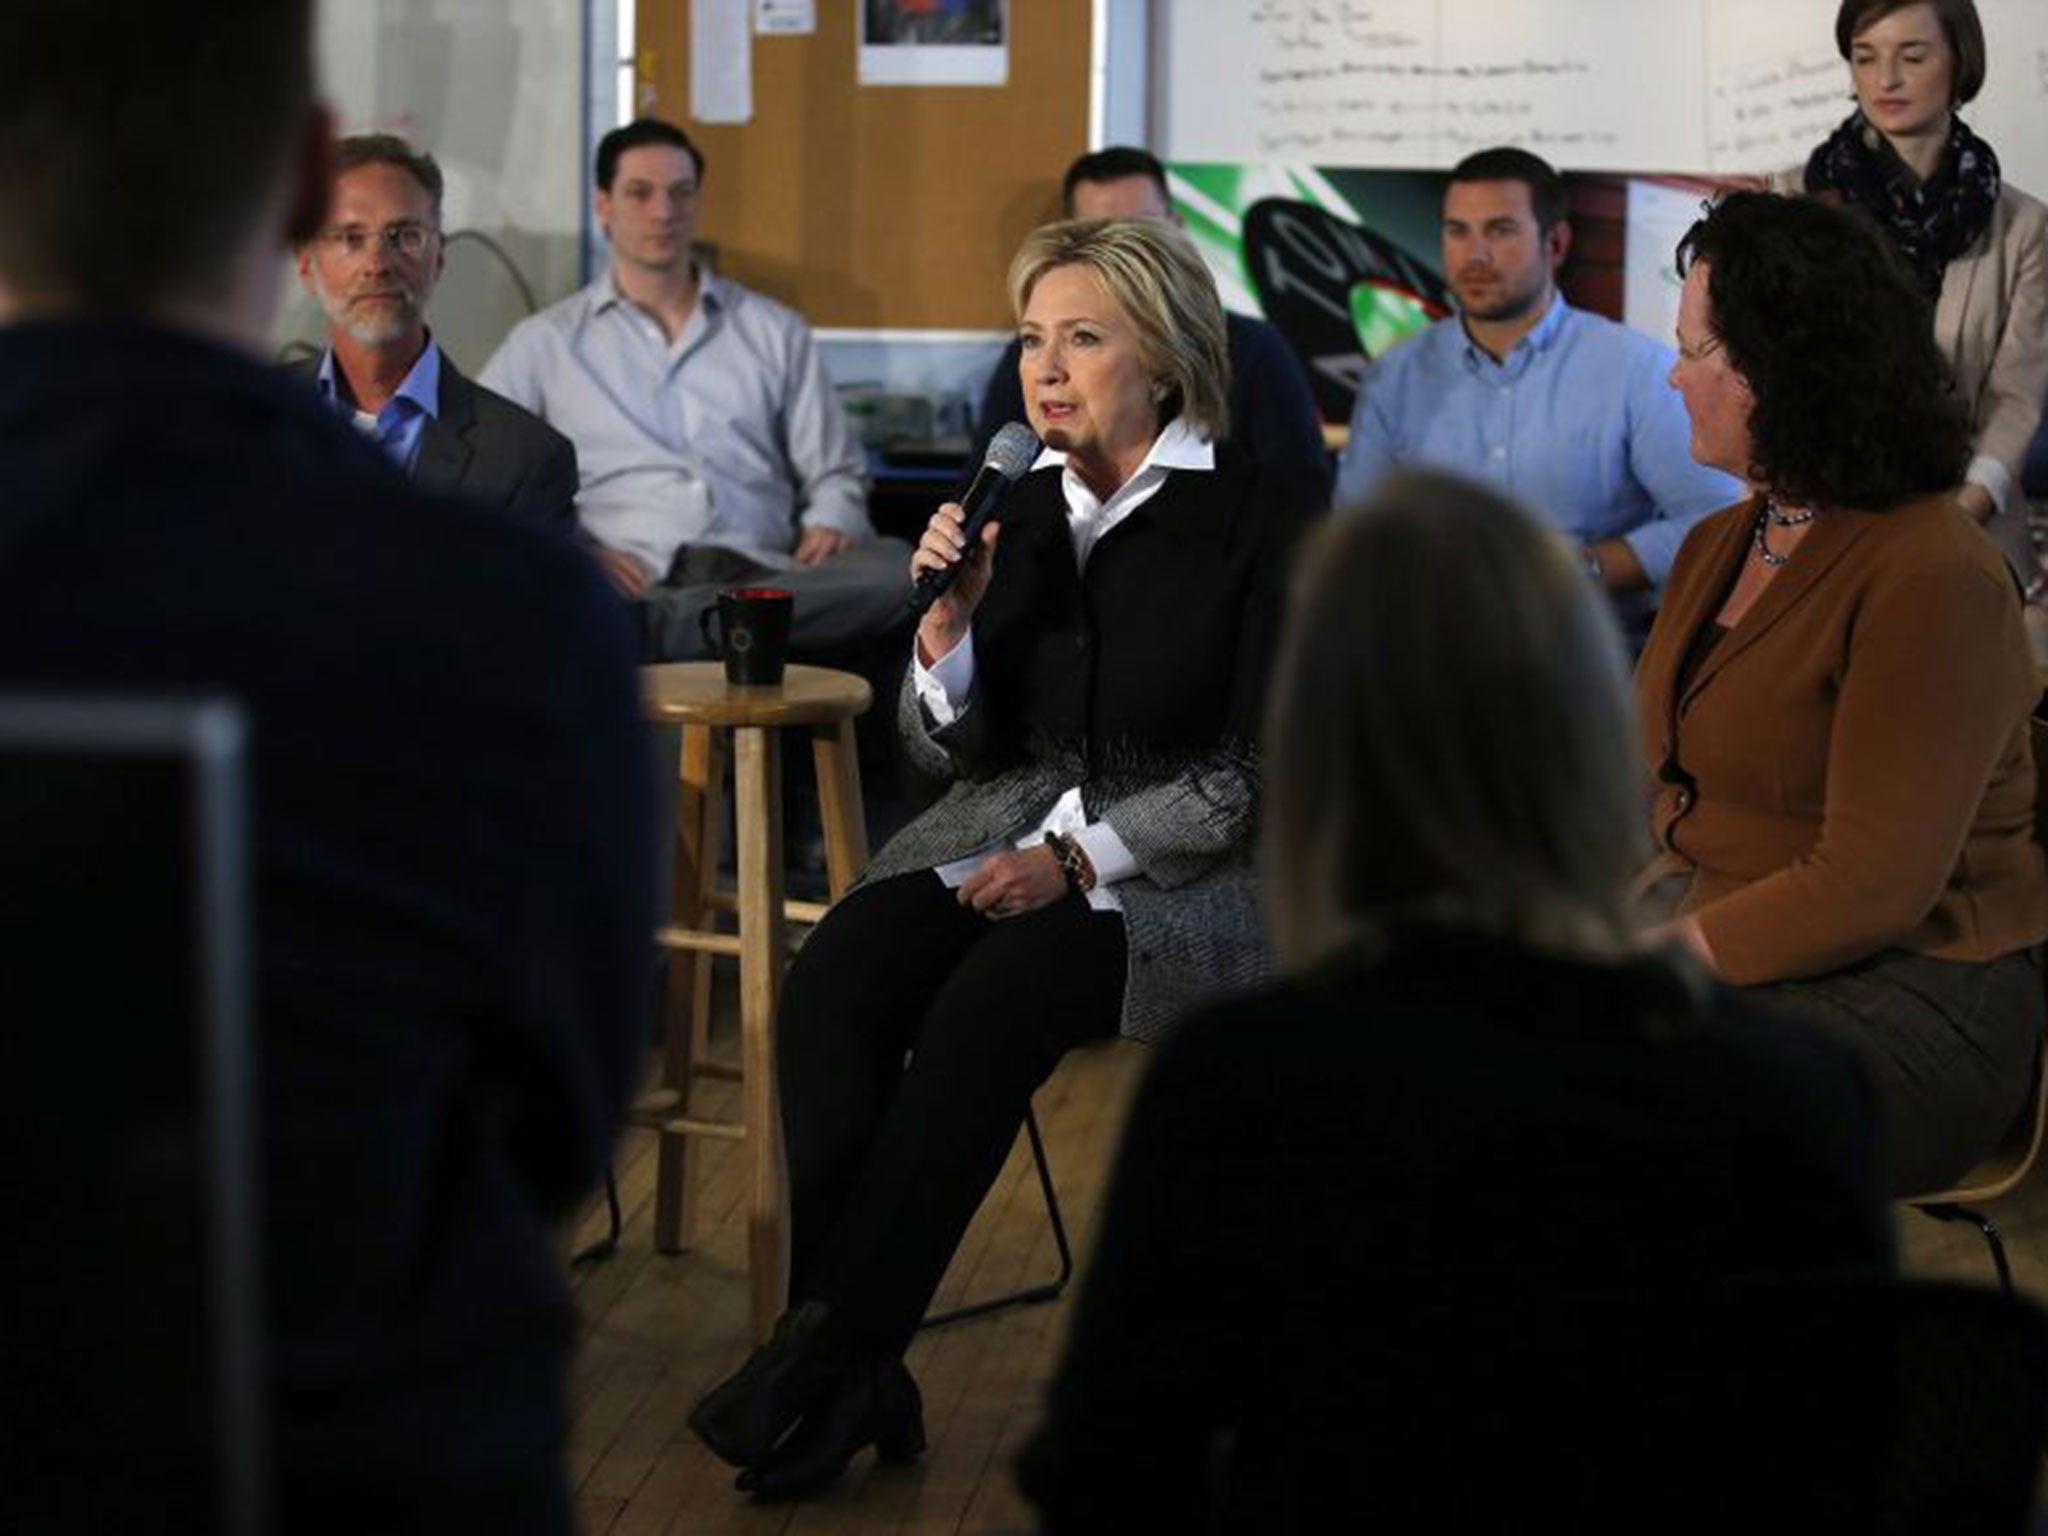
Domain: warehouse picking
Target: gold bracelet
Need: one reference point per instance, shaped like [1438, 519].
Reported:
[1074, 862]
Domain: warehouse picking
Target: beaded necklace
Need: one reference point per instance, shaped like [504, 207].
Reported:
[1769, 517]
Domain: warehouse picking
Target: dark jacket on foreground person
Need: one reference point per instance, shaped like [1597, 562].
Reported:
[1384, 1239]
[452, 828]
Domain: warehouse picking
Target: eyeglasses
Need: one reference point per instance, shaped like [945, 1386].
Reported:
[1700, 353]
[354, 239]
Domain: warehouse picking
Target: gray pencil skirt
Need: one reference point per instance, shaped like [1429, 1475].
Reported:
[1950, 1046]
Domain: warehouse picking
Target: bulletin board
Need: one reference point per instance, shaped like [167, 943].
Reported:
[879, 207]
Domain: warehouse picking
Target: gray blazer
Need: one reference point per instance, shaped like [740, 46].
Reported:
[1992, 326]
[483, 448]
[1191, 918]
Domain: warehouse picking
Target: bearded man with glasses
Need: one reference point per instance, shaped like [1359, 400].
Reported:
[373, 267]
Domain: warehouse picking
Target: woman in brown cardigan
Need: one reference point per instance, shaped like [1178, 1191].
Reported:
[1834, 700]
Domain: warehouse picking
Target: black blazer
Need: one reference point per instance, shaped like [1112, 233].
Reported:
[486, 449]
[1164, 646]
[1142, 682]
[1343, 1203]
[489, 450]
[453, 834]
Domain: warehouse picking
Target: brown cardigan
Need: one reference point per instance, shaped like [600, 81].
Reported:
[1849, 768]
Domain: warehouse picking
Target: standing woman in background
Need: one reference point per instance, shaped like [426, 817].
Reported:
[1978, 246]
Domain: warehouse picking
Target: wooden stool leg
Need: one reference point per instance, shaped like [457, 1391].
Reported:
[716, 752]
[757, 779]
[696, 865]
[839, 805]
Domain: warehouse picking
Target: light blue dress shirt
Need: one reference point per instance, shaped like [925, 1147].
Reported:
[730, 435]
[398, 426]
[1580, 425]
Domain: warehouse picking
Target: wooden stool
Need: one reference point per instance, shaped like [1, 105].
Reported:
[696, 696]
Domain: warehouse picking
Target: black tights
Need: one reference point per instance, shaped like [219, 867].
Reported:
[888, 1160]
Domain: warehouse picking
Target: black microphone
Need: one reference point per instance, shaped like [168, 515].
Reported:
[1009, 456]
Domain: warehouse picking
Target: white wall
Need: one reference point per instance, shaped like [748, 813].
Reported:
[495, 91]
[1695, 87]
[510, 96]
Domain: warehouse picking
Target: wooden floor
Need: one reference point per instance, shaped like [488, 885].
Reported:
[659, 1331]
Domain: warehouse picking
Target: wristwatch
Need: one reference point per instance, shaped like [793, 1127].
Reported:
[1591, 555]
[1074, 862]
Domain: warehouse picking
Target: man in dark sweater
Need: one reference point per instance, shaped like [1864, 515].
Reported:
[451, 812]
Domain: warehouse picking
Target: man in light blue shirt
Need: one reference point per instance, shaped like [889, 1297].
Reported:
[395, 426]
[712, 448]
[1569, 413]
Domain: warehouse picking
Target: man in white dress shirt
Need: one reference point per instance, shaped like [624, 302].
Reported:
[712, 449]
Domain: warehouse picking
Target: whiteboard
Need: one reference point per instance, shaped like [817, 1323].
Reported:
[493, 89]
[1701, 87]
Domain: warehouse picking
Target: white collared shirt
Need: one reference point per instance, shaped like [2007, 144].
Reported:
[945, 687]
[730, 434]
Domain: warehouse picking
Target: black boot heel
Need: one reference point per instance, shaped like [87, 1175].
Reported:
[743, 1417]
[899, 1437]
[876, 1403]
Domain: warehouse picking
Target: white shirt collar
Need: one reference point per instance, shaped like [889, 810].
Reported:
[1178, 446]
[605, 292]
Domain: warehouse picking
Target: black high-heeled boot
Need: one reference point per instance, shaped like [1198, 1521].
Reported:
[876, 1403]
[743, 1417]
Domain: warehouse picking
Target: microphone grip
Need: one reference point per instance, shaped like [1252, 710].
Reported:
[979, 505]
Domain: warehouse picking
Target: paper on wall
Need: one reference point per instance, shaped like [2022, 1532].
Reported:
[721, 61]
[785, 18]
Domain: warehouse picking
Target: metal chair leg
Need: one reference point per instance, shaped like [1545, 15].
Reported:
[1993, 1239]
[607, 1245]
[1032, 1295]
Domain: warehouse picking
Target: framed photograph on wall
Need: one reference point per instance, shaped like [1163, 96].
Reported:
[934, 42]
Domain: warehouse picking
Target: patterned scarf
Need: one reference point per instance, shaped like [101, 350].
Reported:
[1932, 222]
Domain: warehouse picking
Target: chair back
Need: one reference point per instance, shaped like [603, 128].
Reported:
[129, 1351]
[2016, 1153]
[2037, 731]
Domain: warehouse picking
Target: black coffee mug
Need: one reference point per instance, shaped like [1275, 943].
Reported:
[755, 624]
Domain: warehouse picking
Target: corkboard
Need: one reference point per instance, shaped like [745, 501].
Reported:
[880, 206]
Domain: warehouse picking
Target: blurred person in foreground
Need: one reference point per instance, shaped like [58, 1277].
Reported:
[1345, 1204]
[452, 833]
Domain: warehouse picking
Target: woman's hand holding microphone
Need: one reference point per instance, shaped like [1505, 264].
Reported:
[946, 622]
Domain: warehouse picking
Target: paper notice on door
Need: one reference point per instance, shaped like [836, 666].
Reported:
[785, 18]
[722, 61]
